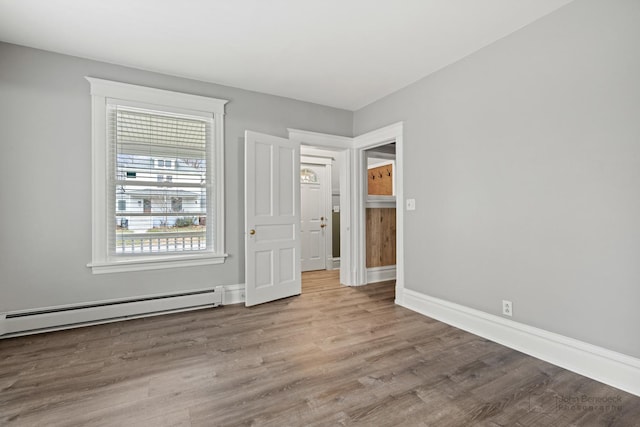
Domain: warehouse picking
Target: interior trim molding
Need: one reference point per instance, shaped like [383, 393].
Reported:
[381, 274]
[375, 137]
[380, 202]
[344, 155]
[607, 366]
[113, 89]
[321, 139]
[233, 294]
[352, 196]
[105, 93]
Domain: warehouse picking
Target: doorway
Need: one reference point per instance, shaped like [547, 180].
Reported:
[315, 221]
[350, 197]
[380, 208]
[351, 152]
[321, 188]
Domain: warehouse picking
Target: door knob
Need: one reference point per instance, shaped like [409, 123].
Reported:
[323, 225]
[252, 231]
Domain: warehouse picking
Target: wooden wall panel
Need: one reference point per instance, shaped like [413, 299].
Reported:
[381, 237]
[380, 181]
[335, 234]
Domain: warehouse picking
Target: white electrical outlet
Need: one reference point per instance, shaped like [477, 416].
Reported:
[507, 308]
[411, 204]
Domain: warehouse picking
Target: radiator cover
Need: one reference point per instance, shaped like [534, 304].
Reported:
[65, 317]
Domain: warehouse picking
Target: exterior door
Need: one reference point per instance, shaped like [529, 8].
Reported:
[272, 218]
[313, 221]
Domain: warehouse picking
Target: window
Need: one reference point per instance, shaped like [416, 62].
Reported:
[176, 204]
[307, 176]
[164, 164]
[138, 133]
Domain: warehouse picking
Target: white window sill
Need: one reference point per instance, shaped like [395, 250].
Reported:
[155, 263]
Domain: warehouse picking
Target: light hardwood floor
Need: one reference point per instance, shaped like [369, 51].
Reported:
[332, 356]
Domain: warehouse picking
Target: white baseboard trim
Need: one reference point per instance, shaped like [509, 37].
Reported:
[381, 274]
[333, 263]
[607, 366]
[233, 294]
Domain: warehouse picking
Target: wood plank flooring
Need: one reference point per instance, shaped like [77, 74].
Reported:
[334, 356]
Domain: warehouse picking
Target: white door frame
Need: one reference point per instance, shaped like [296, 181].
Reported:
[352, 209]
[342, 145]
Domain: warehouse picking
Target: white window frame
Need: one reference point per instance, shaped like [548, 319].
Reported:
[104, 91]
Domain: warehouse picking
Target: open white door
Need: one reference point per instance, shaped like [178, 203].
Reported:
[272, 218]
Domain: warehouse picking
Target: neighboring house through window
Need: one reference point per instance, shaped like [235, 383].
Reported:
[144, 218]
[176, 204]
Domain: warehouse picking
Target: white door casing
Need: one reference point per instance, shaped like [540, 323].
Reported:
[272, 218]
[352, 197]
[314, 218]
[382, 136]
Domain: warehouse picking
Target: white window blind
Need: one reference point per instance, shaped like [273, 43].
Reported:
[160, 169]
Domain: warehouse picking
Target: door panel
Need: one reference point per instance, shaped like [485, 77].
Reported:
[272, 244]
[313, 218]
[287, 180]
[262, 181]
[263, 273]
[274, 232]
[287, 264]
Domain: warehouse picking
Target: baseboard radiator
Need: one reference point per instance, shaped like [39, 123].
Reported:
[64, 317]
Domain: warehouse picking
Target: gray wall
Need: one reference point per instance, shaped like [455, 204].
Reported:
[524, 159]
[45, 184]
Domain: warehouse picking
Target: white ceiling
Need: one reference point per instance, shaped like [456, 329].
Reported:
[341, 53]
